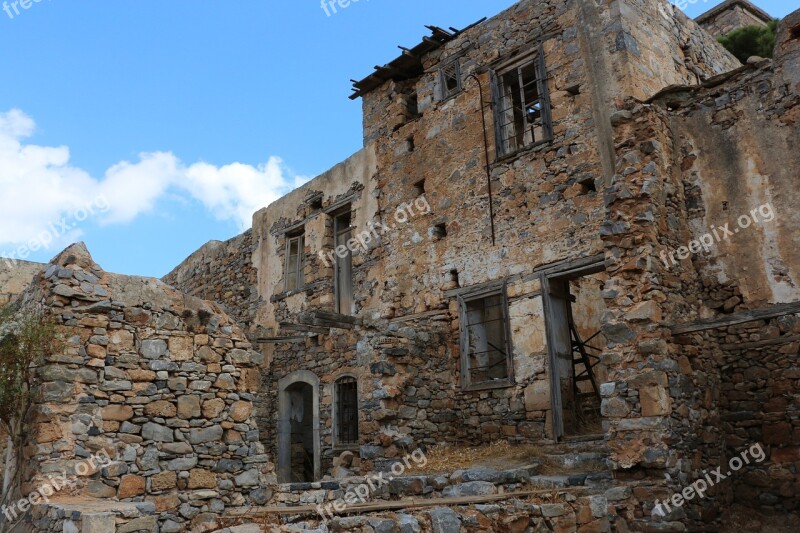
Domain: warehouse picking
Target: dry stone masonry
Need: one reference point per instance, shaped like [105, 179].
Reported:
[452, 283]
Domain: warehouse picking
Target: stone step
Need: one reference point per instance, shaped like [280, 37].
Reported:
[578, 462]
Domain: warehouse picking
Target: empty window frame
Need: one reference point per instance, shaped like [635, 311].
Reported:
[522, 105]
[295, 261]
[343, 286]
[486, 357]
[346, 411]
[450, 80]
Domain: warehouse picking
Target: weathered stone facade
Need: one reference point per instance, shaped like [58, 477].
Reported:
[161, 383]
[15, 276]
[598, 230]
[731, 15]
[222, 272]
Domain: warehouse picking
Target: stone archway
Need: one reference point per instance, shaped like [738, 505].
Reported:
[299, 447]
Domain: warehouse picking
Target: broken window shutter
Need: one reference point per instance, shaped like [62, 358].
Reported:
[498, 135]
[544, 94]
[464, 333]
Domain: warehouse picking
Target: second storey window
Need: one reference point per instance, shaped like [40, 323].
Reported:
[295, 261]
[346, 414]
[343, 283]
[485, 340]
[450, 80]
[522, 105]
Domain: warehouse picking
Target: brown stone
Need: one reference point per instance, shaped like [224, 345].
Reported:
[780, 433]
[250, 380]
[189, 407]
[241, 411]
[161, 408]
[213, 408]
[165, 503]
[202, 479]
[208, 355]
[96, 352]
[142, 375]
[181, 348]
[131, 486]
[48, 433]
[655, 401]
[164, 481]
[119, 413]
[785, 455]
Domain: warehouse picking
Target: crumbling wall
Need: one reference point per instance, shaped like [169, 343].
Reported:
[732, 15]
[222, 272]
[161, 383]
[670, 398]
[15, 276]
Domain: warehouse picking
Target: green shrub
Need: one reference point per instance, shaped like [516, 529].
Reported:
[751, 41]
[26, 338]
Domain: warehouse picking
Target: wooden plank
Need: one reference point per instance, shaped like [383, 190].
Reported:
[739, 318]
[279, 340]
[426, 314]
[409, 503]
[760, 344]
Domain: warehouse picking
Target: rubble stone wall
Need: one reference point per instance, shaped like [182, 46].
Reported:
[683, 163]
[222, 272]
[162, 383]
[15, 276]
[738, 14]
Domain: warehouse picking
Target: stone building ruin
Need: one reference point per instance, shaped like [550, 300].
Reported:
[542, 242]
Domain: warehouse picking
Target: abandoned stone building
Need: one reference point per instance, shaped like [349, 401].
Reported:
[572, 228]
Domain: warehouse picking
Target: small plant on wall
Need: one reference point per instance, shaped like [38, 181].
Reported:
[26, 338]
[751, 41]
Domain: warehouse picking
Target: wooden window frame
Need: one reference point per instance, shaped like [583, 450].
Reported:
[466, 375]
[298, 275]
[444, 93]
[346, 262]
[338, 442]
[537, 59]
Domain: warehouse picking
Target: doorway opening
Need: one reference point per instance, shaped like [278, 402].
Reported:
[575, 307]
[298, 429]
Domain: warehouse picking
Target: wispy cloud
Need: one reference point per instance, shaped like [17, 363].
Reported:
[38, 185]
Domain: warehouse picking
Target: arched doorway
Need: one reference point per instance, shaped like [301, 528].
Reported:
[298, 428]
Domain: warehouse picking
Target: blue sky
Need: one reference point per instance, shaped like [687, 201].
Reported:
[148, 128]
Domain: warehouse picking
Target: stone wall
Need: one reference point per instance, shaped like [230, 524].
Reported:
[669, 403]
[732, 15]
[162, 383]
[760, 404]
[548, 209]
[15, 276]
[222, 272]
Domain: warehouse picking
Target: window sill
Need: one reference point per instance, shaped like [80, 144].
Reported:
[346, 448]
[283, 295]
[512, 156]
[489, 386]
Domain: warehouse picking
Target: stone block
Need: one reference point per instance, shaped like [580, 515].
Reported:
[131, 486]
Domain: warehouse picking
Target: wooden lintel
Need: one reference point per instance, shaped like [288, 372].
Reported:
[410, 503]
[760, 344]
[766, 313]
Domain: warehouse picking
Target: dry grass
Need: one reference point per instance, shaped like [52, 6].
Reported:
[447, 459]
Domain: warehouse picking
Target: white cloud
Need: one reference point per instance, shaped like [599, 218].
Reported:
[38, 186]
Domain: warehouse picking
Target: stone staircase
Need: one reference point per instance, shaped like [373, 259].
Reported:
[576, 472]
